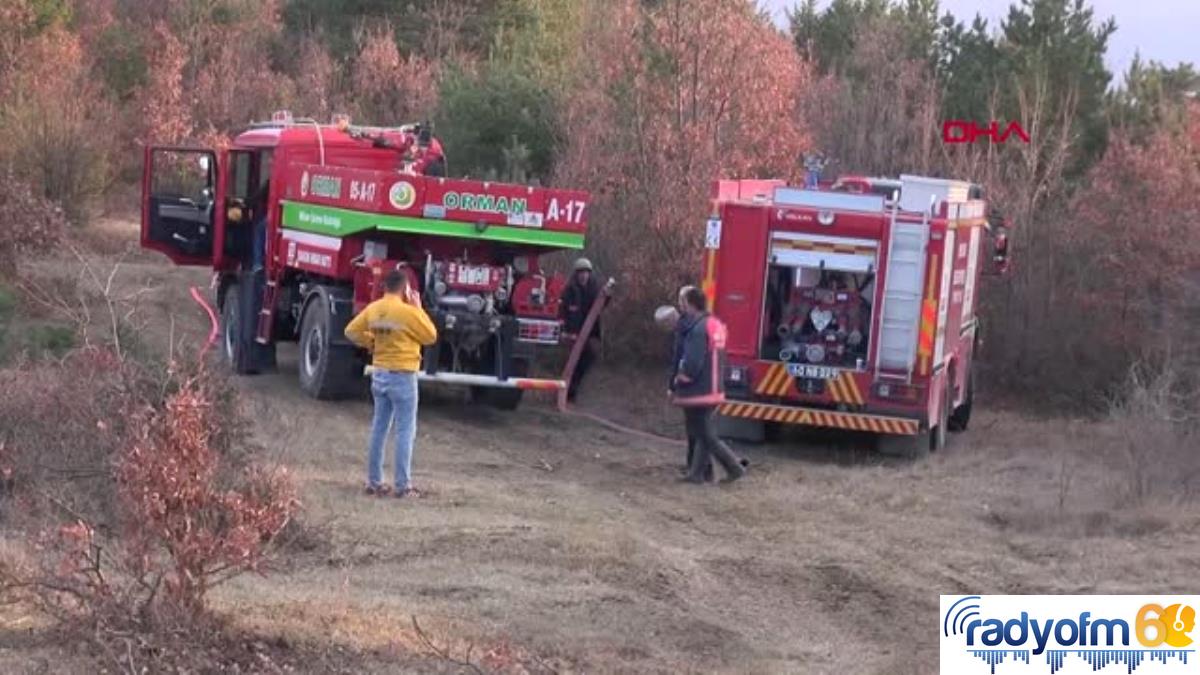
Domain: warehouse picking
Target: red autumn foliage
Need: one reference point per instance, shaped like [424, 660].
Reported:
[1128, 257]
[29, 223]
[181, 512]
[165, 114]
[163, 500]
[673, 97]
[389, 88]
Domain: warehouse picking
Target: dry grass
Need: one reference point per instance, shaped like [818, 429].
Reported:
[605, 562]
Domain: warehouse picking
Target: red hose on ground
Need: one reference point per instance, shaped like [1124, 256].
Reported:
[624, 429]
[212, 318]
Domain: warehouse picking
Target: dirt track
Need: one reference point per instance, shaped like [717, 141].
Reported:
[575, 543]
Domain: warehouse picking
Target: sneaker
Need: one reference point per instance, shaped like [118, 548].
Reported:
[408, 492]
[378, 490]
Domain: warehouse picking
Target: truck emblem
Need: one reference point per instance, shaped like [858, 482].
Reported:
[402, 195]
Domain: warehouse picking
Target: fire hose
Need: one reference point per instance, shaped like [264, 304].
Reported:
[585, 333]
[212, 318]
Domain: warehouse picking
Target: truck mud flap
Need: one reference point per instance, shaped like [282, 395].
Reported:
[880, 424]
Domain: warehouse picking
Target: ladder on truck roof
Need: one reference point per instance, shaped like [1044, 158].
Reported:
[900, 308]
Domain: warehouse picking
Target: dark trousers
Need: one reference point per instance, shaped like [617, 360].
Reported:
[586, 358]
[704, 445]
[258, 244]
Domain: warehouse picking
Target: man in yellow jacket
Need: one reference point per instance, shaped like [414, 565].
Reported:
[393, 329]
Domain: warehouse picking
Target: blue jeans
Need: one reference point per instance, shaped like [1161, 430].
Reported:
[395, 396]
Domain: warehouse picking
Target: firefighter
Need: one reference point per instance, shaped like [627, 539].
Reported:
[393, 329]
[697, 386]
[577, 300]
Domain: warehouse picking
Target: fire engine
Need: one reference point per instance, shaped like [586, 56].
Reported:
[300, 220]
[851, 306]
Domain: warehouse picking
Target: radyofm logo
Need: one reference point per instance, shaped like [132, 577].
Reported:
[1099, 630]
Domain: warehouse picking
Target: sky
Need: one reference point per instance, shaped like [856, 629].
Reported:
[1162, 30]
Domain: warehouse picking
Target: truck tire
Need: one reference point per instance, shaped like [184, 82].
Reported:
[961, 417]
[328, 370]
[242, 353]
[231, 324]
[938, 434]
[503, 398]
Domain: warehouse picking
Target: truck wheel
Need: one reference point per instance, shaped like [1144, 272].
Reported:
[503, 399]
[231, 324]
[237, 346]
[961, 417]
[937, 438]
[327, 370]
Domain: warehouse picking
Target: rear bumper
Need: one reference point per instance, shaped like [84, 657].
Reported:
[881, 424]
[492, 381]
[486, 380]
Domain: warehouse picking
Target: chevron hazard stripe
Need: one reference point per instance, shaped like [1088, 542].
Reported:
[776, 382]
[820, 418]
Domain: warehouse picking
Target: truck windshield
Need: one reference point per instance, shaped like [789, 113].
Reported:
[817, 315]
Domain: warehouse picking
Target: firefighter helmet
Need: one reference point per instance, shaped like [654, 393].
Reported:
[583, 265]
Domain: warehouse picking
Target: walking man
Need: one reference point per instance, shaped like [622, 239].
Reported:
[698, 387]
[577, 299]
[393, 329]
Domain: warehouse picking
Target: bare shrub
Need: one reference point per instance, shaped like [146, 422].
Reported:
[193, 520]
[28, 223]
[54, 445]
[1156, 438]
[130, 481]
[52, 131]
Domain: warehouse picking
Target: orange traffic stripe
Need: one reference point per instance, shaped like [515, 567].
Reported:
[821, 418]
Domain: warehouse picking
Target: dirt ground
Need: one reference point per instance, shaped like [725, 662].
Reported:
[559, 538]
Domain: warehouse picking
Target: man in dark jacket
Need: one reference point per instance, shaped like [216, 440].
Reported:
[698, 387]
[577, 300]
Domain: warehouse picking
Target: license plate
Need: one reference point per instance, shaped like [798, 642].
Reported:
[811, 372]
[473, 276]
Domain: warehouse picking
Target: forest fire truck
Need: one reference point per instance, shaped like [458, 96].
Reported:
[301, 220]
[852, 307]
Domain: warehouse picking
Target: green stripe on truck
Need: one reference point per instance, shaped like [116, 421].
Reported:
[337, 222]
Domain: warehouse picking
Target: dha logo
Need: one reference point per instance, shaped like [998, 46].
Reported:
[1100, 630]
[467, 201]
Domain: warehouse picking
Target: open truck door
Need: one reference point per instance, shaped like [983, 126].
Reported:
[182, 198]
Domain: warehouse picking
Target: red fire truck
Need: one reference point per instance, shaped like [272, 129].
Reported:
[300, 220]
[852, 307]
